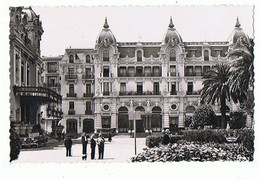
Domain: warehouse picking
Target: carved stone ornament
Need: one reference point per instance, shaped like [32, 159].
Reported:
[105, 42]
[173, 42]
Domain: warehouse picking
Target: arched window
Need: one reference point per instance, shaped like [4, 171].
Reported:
[139, 56]
[190, 109]
[105, 55]
[206, 55]
[172, 55]
[71, 59]
[88, 59]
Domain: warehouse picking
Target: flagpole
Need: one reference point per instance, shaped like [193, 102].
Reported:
[135, 131]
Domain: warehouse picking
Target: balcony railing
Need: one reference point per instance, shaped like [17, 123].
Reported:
[173, 92]
[130, 93]
[192, 93]
[105, 93]
[71, 94]
[52, 85]
[87, 76]
[71, 112]
[44, 94]
[139, 74]
[88, 112]
[71, 77]
[88, 94]
[194, 74]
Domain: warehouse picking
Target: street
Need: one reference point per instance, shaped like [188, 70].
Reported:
[121, 149]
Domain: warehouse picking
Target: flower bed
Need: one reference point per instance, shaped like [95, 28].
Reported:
[195, 151]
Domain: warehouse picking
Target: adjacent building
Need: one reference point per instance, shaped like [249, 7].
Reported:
[27, 93]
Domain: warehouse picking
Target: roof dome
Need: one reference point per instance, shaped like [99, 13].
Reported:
[106, 36]
[238, 33]
[172, 36]
[31, 15]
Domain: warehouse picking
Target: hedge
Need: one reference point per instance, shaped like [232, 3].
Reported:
[245, 137]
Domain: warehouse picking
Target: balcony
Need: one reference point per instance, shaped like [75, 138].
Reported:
[193, 74]
[173, 93]
[139, 74]
[88, 94]
[71, 94]
[87, 76]
[71, 112]
[71, 77]
[52, 85]
[192, 93]
[105, 93]
[131, 93]
[39, 95]
[88, 112]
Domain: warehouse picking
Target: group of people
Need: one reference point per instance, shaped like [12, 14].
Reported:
[84, 141]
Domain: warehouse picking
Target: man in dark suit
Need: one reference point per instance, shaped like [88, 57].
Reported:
[101, 145]
[84, 141]
[93, 146]
[68, 145]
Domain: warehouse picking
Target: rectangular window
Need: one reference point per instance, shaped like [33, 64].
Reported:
[28, 75]
[173, 70]
[106, 88]
[190, 88]
[71, 105]
[22, 72]
[156, 71]
[88, 71]
[139, 88]
[88, 107]
[123, 87]
[106, 122]
[122, 71]
[156, 88]
[198, 70]
[173, 89]
[131, 71]
[71, 89]
[173, 122]
[139, 71]
[51, 81]
[106, 72]
[88, 88]
[205, 69]
[189, 71]
[147, 71]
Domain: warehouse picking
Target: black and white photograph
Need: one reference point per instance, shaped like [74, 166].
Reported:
[153, 85]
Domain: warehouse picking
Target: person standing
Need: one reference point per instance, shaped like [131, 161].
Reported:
[109, 137]
[92, 146]
[84, 141]
[68, 145]
[101, 146]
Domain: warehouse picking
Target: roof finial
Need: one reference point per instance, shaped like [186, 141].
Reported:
[106, 26]
[171, 25]
[237, 23]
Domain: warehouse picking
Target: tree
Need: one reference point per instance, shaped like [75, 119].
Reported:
[14, 144]
[216, 89]
[203, 116]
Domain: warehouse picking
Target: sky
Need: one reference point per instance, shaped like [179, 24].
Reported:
[78, 27]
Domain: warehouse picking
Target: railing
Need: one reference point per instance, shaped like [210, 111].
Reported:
[52, 85]
[194, 74]
[88, 94]
[88, 112]
[173, 93]
[87, 76]
[139, 74]
[37, 92]
[71, 77]
[105, 93]
[129, 93]
[192, 93]
[71, 112]
[71, 94]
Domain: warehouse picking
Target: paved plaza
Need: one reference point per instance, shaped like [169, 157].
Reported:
[121, 149]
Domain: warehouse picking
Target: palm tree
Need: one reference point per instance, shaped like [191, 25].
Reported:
[216, 88]
[242, 77]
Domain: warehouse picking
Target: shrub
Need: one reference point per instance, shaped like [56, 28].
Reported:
[188, 121]
[203, 115]
[153, 141]
[237, 120]
[14, 144]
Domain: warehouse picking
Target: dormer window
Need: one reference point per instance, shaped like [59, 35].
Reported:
[88, 59]
[71, 59]
[139, 56]
[105, 55]
[172, 55]
[206, 55]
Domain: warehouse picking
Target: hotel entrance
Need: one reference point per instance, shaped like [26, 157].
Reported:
[123, 120]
